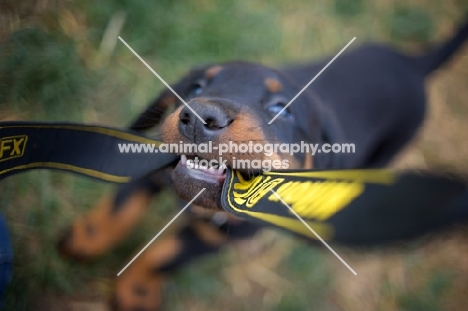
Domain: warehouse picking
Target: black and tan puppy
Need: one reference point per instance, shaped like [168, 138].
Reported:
[371, 96]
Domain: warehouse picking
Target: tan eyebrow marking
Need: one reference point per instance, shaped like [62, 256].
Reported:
[168, 101]
[213, 71]
[273, 85]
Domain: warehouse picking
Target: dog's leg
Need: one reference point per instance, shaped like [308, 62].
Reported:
[139, 286]
[115, 215]
[110, 221]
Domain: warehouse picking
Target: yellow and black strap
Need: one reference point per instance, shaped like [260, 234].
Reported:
[347, 206]
[88, 150]
[353, 207]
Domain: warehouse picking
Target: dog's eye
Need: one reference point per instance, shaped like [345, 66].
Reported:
[197, 88]
[276, 107]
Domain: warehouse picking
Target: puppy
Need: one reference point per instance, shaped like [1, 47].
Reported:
[372, 96]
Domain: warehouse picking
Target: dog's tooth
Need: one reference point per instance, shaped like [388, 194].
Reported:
[183, 159]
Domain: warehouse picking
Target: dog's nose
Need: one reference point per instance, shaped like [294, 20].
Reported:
[215, 117]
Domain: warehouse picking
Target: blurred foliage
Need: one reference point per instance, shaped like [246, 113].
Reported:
[428, 298]
[349, 8]
[60, 60]
[410, 23]
[38, 67]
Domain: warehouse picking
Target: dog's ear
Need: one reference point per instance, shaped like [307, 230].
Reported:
[167, 100]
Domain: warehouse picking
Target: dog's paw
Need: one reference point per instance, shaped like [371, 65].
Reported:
[87, 238]
[137, 291]
[99, 230]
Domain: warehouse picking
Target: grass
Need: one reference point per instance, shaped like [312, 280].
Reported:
[55, 65]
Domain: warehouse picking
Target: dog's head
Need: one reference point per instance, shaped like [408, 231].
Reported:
[236, 101]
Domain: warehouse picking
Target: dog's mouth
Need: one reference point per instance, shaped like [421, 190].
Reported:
[192, 174]
[193, 166]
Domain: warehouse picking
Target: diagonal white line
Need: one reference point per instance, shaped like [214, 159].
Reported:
[313, 79]
[156, 74]
[157, 235]
[313, 231]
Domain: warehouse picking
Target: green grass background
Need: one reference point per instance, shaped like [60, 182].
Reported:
[55, 65]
